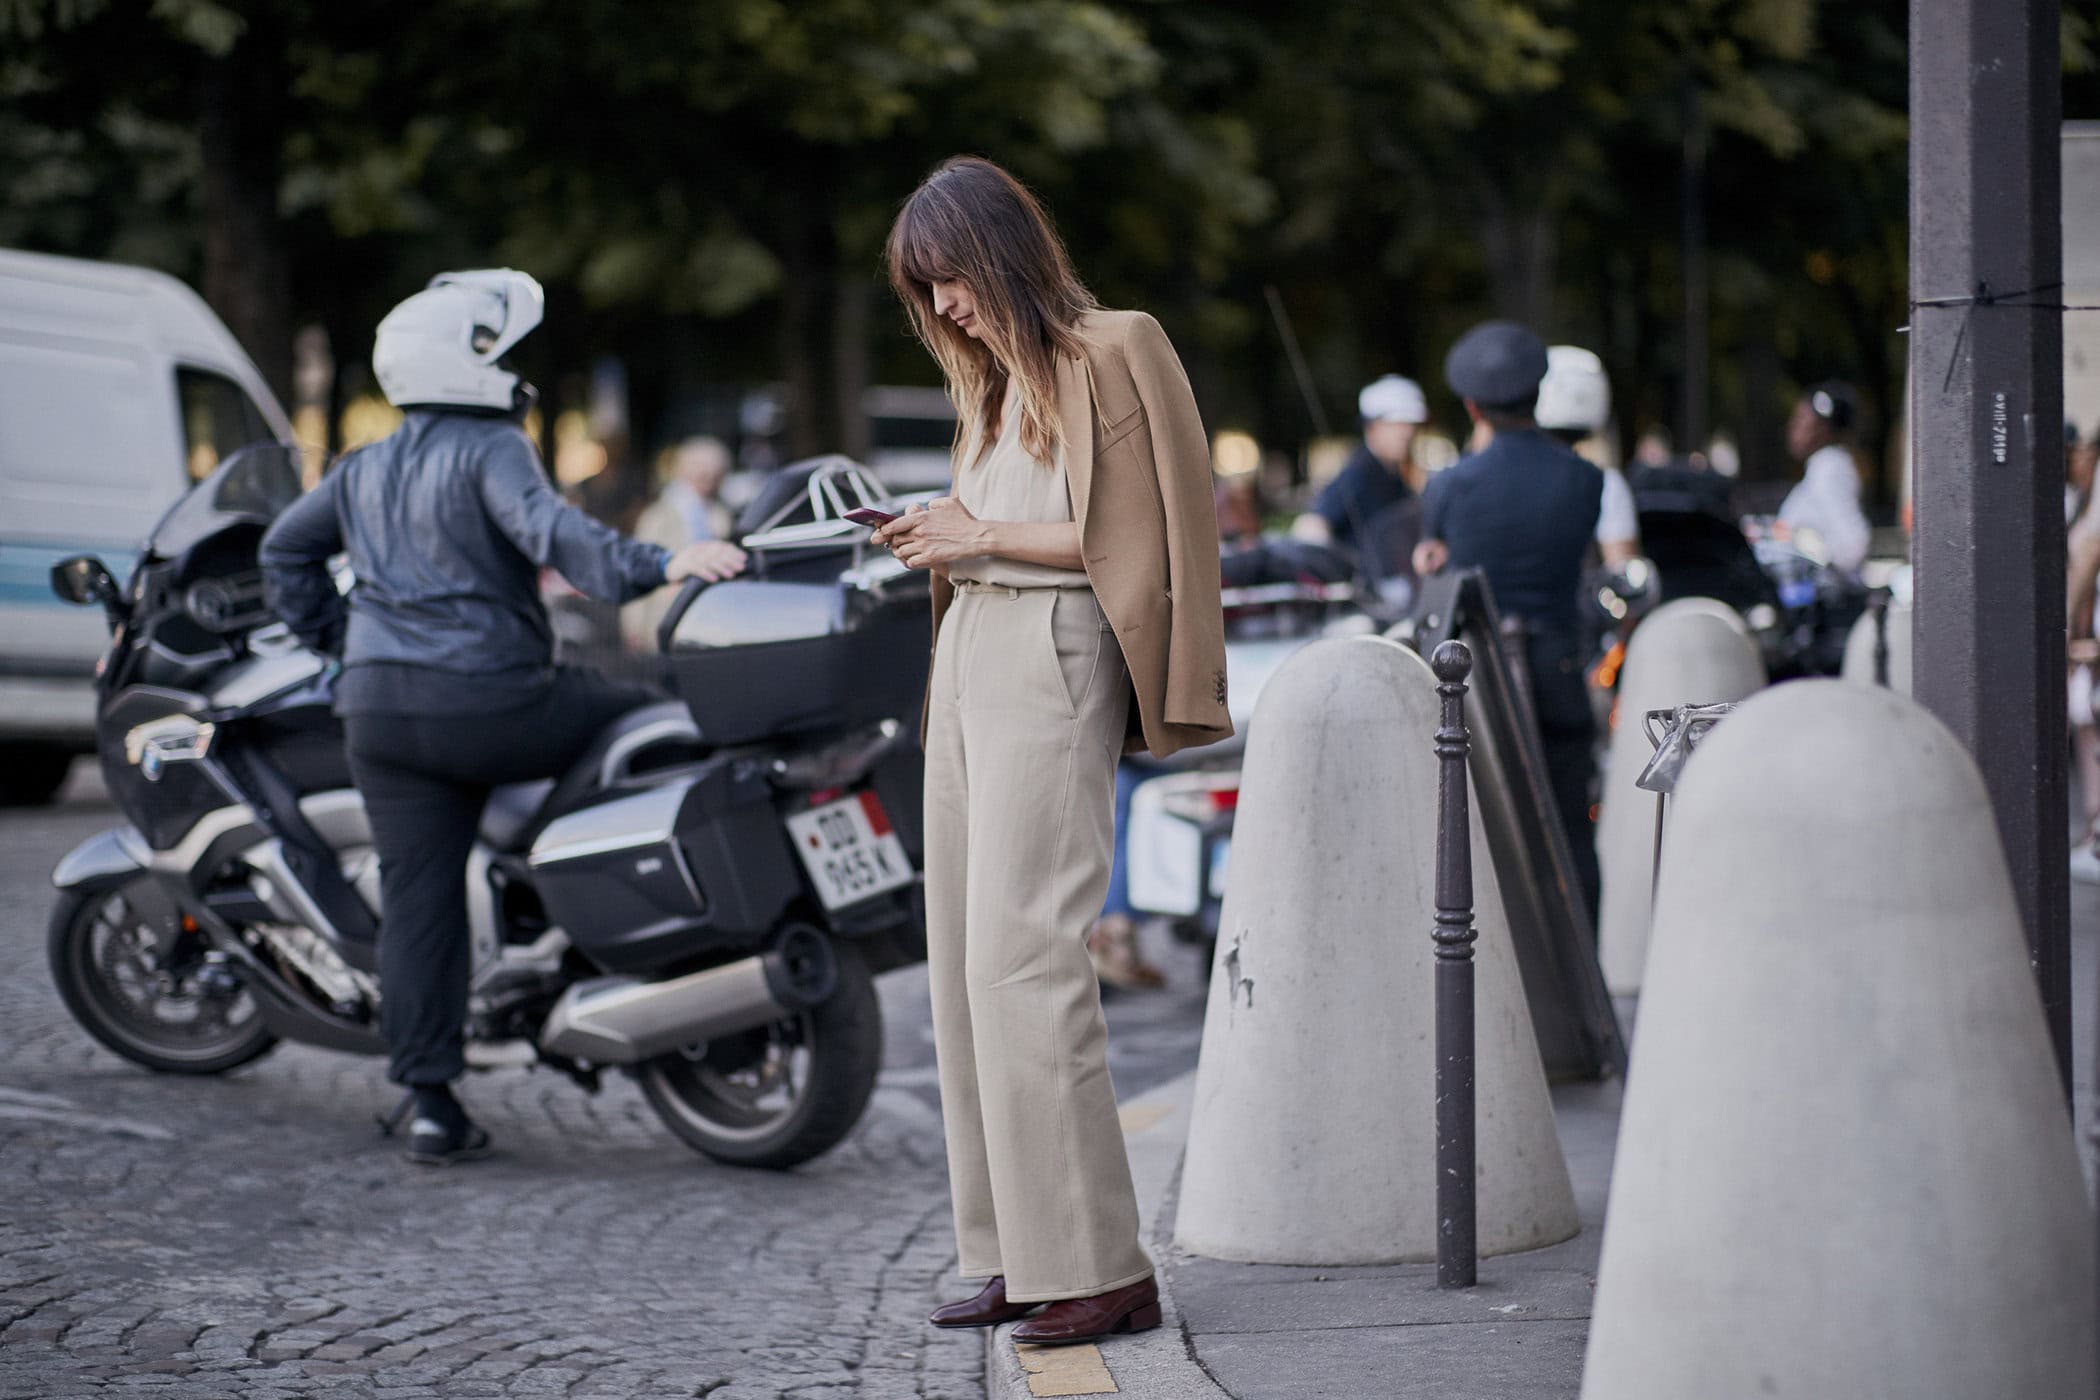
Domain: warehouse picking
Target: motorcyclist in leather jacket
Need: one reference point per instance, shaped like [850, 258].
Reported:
[448, 684]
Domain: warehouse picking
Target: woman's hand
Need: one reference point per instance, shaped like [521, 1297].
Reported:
[935, 535]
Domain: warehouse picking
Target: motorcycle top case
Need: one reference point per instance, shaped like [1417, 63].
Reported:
[761, 658]
[649, 875]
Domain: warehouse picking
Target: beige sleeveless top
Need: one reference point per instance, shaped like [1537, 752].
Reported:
[1009, 484]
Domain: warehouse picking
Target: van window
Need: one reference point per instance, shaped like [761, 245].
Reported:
[81, 425]
[218, 419]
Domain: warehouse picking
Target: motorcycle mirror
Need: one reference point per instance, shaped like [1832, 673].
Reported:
[84, 579]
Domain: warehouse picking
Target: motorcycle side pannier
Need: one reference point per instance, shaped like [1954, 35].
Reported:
[677, 868]
[760, 658]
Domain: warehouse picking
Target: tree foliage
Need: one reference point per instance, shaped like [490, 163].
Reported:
[704, 188]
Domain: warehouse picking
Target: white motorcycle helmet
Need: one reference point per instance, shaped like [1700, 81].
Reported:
[440, 347]
[1575, 395]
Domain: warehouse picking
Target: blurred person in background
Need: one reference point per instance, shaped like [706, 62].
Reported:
[1650, 449]
[1523, 510]
[1239, 506]
[2081, 577]
[1575, 406]
[686, 511]
[692, 495]
[2079, 457]
[448, 686]
[1826, 499]
[1112, 939]
[1359, 509]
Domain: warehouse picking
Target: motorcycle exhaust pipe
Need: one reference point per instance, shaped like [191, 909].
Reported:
[624, 1020]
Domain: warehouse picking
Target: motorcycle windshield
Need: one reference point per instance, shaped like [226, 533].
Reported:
[250, 487]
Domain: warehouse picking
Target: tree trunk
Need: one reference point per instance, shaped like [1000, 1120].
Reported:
[247, 277]
[1763, 444]
[849, 346]
[808, 311]
[1520, 249]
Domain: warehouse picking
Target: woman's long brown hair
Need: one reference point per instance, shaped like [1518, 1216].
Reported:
[971, 222]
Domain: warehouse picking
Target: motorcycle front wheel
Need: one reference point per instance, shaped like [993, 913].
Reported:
[179, 1012]
[782, 1094]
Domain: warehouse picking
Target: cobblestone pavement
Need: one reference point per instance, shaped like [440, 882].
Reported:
[253, 1236]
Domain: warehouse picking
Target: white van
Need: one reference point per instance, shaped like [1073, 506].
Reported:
[118, 389]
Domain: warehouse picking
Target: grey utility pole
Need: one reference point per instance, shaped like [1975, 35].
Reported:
[1986, 363]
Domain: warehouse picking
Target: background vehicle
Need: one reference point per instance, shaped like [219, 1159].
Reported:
[116, 385]
[702, 899]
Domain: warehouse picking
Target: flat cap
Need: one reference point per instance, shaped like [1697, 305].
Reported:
[1497, 364]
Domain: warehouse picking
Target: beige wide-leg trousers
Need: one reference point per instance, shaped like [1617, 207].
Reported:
[1025, 724]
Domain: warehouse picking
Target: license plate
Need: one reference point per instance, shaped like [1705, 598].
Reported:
[849, 850]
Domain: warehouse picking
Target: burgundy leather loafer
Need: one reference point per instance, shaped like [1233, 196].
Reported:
[1131, 1309]
[988, 1309]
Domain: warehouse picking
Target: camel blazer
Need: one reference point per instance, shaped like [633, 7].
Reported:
[1138, 463]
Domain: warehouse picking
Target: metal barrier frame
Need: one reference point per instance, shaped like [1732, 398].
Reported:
[1571, 1009]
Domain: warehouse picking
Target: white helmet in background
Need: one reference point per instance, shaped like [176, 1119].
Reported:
[441, 346]
[1575, 396]
[1392, 399]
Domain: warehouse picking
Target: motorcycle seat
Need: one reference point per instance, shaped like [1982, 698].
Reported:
[513, 811]
[516, 811]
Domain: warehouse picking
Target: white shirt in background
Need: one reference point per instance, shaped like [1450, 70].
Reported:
[1826, 500]
[1617, 519]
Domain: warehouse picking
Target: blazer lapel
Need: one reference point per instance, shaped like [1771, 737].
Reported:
[1075, 410]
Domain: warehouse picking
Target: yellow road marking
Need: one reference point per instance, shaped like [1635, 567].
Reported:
[1065, 1370]
[1140, 1116]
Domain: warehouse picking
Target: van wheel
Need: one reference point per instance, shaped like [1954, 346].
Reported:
[32, 774]
[782, 1094]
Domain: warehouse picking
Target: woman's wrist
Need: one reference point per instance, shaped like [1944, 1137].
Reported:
[991, 534]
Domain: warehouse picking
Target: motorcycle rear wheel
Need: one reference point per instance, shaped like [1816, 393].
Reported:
[105, 963]
[780, 1095]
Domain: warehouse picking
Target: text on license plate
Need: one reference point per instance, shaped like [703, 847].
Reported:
[849, 850]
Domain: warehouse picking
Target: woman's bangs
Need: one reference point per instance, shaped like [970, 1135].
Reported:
[920, 256]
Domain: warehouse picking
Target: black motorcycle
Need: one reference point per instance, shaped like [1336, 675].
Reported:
[703, 900]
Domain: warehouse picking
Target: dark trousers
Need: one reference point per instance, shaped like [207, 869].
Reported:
[1567, 734]
[425, 779]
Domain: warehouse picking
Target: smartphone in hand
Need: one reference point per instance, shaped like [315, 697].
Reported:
[868, 515]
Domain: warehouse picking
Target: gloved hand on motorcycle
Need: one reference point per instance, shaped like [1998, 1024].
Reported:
[712, 560]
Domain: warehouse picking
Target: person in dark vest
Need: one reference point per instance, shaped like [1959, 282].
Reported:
[1522, 509]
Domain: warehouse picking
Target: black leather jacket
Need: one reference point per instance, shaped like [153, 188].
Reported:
[447, 523]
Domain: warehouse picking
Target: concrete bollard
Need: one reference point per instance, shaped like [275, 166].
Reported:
[1861, 643]
[1312, 1139]
[1844, 1165]
[1687, 652]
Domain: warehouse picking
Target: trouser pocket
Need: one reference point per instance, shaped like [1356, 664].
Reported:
[1078, 635]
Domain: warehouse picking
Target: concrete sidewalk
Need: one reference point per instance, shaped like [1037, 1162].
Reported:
[1279, 1332]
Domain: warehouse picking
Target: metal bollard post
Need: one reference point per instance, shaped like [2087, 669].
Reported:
[1457, 1235]
[1878, 600]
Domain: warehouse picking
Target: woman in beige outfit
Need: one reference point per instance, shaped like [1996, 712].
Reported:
[1076, 618]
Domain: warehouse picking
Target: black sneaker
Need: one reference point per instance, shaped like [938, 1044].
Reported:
[432, 1144]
